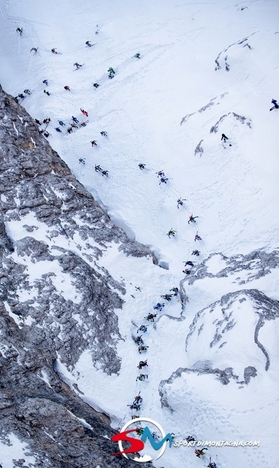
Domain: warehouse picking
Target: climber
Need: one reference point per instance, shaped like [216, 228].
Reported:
[138, 399]
[192, 219]
[180, 202]
[137, 55]
[27, 91]
[197, 237]
[84, 112]
[167, 297]
[142, 377]
[96, 85]
[111, 72]
[54, 51]
[88, 43]
[69, 129]
[151, 317]
[171, 233]
[138, 340]
[82, 161]
[75, 119]
[196, 252]
[19, 30]
[134, 406]
[103, 133]
[105, 173]
[141, 166]
[47, 120]
[200, 453]
[211, 464]
[45, 82]
[67, 88]
[189, 263]
[61, 123]
[190, 439]
[34, 49]
[160, 174]
[93, 143]
[224, 137]
[175, 291]
[78, 65]
[159, 306]
[58, 130]
[275, 104]
[142, 348]
[46, 134]
[186, 271]
[38, 122]
[98, 168]
[163, 180]
[142, 364]
[142, 328]
[46, 92]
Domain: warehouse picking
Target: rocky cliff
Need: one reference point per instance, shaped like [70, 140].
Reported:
[56, 301]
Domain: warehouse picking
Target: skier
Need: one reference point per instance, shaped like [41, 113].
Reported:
[34, 49]
[98, 168]
[135, 406]
[211, 464]
[27, 91]
[167, 297]
[175, 291]
[186, 271]
[142, 328]
[93, 143]
[163, 180]
[142, 377]
[160, 174]
[159, 306]
[190, 439]
[84, 112]
[61, 123]
[138, 399]
[38, 122]
[21, 96]
[189, 263]
[46, 121]
[141, 166]
[54, 51]
[138, 340]
[111, 72]
[83, 124]
[196, 253]
[142, 364]
[137, 55]
[96, 85]
[105, 173]
[58, 130]
[200, 453]
[69, 129]
[45, 82]
[224, 137]
[19, 30]
[88, 43]
[142, 348]
[75, 119]
[171, 233]
[103, 133]
[275, 104]
[77, 65]
[197, 237]
[74, 125]
[46, 92]
[67, 88]
[82, 161]
[180, 202]
[46, 134]
[151, 317]
[192, 219]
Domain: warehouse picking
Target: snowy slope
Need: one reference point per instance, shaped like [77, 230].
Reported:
[205, 69]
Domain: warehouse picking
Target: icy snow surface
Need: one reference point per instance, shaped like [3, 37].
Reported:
[206, 68]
